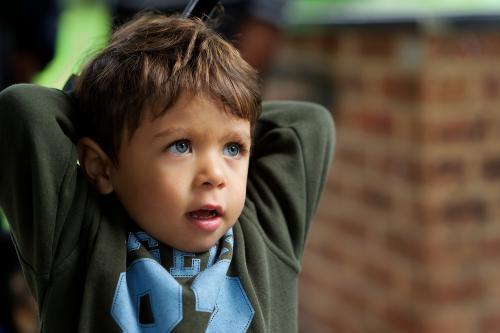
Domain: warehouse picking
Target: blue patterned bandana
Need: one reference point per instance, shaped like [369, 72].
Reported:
[165, 288]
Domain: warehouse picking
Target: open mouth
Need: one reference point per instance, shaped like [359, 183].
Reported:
[204, 214]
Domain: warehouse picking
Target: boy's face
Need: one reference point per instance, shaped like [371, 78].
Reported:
[182, 177]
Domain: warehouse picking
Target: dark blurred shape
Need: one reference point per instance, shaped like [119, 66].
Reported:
[27, 41]
[10, 266]
[27, 38]
[253, 26]
[199, 8]
[18, 311]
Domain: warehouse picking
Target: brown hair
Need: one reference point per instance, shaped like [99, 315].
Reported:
[148, 63]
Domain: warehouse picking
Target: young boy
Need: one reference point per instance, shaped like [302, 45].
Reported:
[185, 213]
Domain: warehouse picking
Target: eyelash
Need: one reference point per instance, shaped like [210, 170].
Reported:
[172, 145]
[243, 148]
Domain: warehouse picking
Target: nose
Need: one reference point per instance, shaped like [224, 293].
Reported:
[211, 171]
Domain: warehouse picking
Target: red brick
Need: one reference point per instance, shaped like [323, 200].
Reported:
[400, 88]
[330, 43]
[354, 298]
[346, 116]
[418, 250]
[309, 278]
[407, 247]
[323, 305]
[312, 322]
[452, 130]
[492, 127]
[402, 318]
[377, 198]
[351, 156]
[351, 228]
[490, 322]
[489, 43]
[491, 168]
[468, 46]
[402, 167]
[332, 253]
[458, 323]
[451, 90]
[335, 187]
[380, 44]
[426, 214]
[379, 273]
[490, 247]
[351, 83]
[449, 293]
[491, 87]
[442, 243]
[354, 192]
[442, 171]
[471, 210]
[316, 322]
[316, 304]
[444, 48]
[376, 122]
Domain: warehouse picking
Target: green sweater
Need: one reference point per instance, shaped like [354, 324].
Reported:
[92, 270]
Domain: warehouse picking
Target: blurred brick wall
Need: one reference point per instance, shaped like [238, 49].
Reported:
[407, 237]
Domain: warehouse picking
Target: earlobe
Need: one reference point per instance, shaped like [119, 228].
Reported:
[96, 164]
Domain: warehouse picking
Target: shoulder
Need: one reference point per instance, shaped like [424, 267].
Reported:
[295, 112]
[28, 93]
[31, 101]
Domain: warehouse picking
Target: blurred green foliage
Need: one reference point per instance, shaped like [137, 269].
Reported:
[345, 11]
[84, 28]
[4, 226]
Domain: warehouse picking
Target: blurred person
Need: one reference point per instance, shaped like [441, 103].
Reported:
[9, 267]
[27, 43]
[253, 26]
[27, 38]
[18, 312]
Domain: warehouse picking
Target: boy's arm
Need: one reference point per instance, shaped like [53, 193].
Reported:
[291, 157]
[37, 173]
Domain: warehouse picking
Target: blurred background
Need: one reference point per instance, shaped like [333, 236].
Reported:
[407, 235]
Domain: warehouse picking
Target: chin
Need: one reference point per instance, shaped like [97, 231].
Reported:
[198, 247]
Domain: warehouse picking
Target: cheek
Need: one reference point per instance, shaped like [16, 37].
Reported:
[238, 202]
[240, 186]
[241, 203]
[137, 187]
[153, 199]
[132, 193]
[159, 185]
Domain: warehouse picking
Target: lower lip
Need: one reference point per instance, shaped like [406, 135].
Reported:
[206, 224]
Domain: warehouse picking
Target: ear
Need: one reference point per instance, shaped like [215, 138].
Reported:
[96, 164]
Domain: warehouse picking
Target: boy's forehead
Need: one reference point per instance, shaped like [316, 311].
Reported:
[190, 108]
[191, 114]
[186, 100]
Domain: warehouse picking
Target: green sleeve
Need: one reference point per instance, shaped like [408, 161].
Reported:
[290, 159]
[38, 176]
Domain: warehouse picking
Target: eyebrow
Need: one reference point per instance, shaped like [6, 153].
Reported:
[185, 131]
[169, 132]
[242, 136]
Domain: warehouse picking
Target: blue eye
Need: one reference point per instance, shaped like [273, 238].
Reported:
[232, 150]
[180, 147]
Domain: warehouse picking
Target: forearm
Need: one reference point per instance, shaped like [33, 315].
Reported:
[39, 155]
[292, 154]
